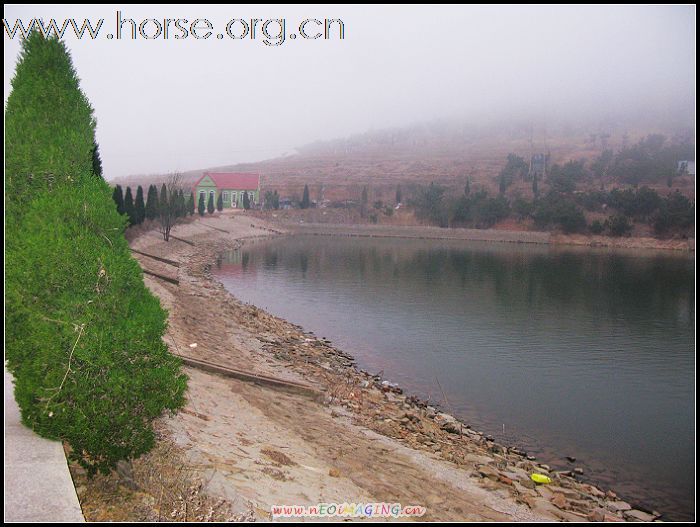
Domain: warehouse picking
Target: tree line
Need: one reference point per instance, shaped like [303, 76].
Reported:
[561, 207]
[652, 160]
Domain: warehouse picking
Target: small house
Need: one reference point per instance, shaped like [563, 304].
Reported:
[231, 186]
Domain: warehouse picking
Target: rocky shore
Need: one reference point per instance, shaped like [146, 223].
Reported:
[362, 440]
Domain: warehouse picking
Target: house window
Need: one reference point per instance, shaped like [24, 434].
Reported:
[202, 195]
[233, 198]
[225, 197]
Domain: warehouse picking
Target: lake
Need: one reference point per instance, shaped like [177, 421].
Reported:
[562, 351]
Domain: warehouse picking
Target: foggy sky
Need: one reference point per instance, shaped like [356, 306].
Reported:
[186, 104]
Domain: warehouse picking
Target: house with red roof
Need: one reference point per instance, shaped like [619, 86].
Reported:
[232, 186]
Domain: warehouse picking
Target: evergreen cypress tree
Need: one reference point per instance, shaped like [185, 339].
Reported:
[305, 201]
[118, 197]
[152, 203]
[182, 204]
[139, 206]
[83, 334]
[398, 194]
[190, 204]
[363, 201]
[129, 206]
[220, 202]
[246, 200]
[163, 198]
[210, 204]
[201, 208]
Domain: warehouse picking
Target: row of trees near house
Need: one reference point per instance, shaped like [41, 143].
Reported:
[138, 210]
[84, 337]
[272, 200]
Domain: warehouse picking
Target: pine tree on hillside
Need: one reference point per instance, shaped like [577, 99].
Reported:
[118, 197]
[139, 206]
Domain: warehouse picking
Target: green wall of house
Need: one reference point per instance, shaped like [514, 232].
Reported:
[207, 186]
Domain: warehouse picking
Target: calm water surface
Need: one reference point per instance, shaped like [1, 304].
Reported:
[587, 353]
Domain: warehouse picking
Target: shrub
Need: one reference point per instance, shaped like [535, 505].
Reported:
[565, 177]
[675, 213]
[522, 208]
[618, 225]
[596, 227]
[555, 210]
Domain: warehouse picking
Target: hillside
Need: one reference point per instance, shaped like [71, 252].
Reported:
[446, 153]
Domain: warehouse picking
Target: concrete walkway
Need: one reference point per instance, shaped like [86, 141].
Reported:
[38, 486]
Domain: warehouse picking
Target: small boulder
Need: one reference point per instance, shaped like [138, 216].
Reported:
[558, 500]
[618, 506]
[640, 516]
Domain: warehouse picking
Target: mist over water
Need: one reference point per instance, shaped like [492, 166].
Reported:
[562, 351]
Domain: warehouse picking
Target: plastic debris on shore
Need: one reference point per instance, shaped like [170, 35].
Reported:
[193, 345]
[540, 478]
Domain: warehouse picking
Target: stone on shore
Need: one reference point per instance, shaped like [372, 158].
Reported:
[640, 516]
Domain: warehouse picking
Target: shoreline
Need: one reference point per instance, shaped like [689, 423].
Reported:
[489, 235]
[473, 477]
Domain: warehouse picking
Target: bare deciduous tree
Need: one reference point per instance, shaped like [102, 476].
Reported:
[169, 206]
